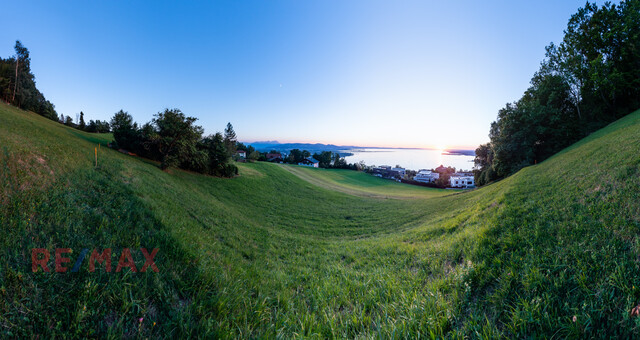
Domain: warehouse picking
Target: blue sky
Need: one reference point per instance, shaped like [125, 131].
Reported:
[368, 73]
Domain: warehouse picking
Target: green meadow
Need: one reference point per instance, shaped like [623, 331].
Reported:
[290, 252]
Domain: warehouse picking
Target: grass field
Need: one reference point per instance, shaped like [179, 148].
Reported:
[285, 251]
[360, 184]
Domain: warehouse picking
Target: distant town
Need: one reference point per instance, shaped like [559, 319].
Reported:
[440, 177]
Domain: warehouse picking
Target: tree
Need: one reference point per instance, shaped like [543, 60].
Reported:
[324, 158]
[219, 160]
[443, 180]
[81, 124]
[17, 84]
[22, 66]
[253, 156]
[91, 127]
[125, 130]
[177, 137]
[296, 156]
[103, 126]
[483, 162]
[587, 81]
[230, 140]
[68, 121]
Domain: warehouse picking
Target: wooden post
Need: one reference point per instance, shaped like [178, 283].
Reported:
[96, 151]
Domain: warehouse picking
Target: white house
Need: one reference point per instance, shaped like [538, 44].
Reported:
[241, 154]
[426, 176]
[312, 162]
[458, 181]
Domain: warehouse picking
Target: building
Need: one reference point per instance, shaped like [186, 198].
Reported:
[426, 176]
[312, 162]
[399, 171]
[386, 171]
[241, 154]
[462, 181]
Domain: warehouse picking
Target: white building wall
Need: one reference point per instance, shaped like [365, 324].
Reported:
[462, 181]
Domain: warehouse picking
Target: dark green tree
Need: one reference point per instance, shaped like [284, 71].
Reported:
[587, 81]
[324, 158]
[296, 156]
[17, 84]
[230, 140]
[81, 124]
[217, 153]
[23, 69]
[177, 137]
[125, 130]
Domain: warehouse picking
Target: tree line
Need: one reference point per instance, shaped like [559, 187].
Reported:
[18, 85]
[333, 160]
[173, 139]
[589, 80]
[18, 88]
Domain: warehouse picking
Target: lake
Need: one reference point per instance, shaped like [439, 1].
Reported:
[413, 159]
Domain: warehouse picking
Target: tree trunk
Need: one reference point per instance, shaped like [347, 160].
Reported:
[15, 86]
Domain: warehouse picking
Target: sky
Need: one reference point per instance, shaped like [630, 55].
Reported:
[424, 74]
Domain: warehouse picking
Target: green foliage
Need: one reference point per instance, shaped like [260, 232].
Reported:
[330, 160]
[587, 81]
[18, 87]
[98, 126]
[324, 158]
[125, 130]
[173, 139]
[296, 156]
[81, 124]
[176, 138]
[230, 140]
[218, 156]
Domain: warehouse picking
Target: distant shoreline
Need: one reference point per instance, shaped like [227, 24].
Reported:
[314, 147]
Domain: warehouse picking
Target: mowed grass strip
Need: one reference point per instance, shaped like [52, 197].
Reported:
[271, 254]
[361, 184]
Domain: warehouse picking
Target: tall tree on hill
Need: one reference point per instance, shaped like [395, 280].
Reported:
[17, 84]
[230, 140]
[81, 124]
[23, 65]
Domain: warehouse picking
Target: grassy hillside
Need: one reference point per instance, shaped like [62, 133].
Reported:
[296, 252]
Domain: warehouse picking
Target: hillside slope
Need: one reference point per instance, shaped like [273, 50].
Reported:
[272, 254]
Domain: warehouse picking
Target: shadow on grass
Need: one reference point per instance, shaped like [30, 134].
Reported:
[93, 209]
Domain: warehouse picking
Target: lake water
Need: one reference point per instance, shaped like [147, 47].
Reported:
[413, 159]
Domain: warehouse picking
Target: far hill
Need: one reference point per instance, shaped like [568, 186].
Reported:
[319, 147]
[311, 147]
[285, 251]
